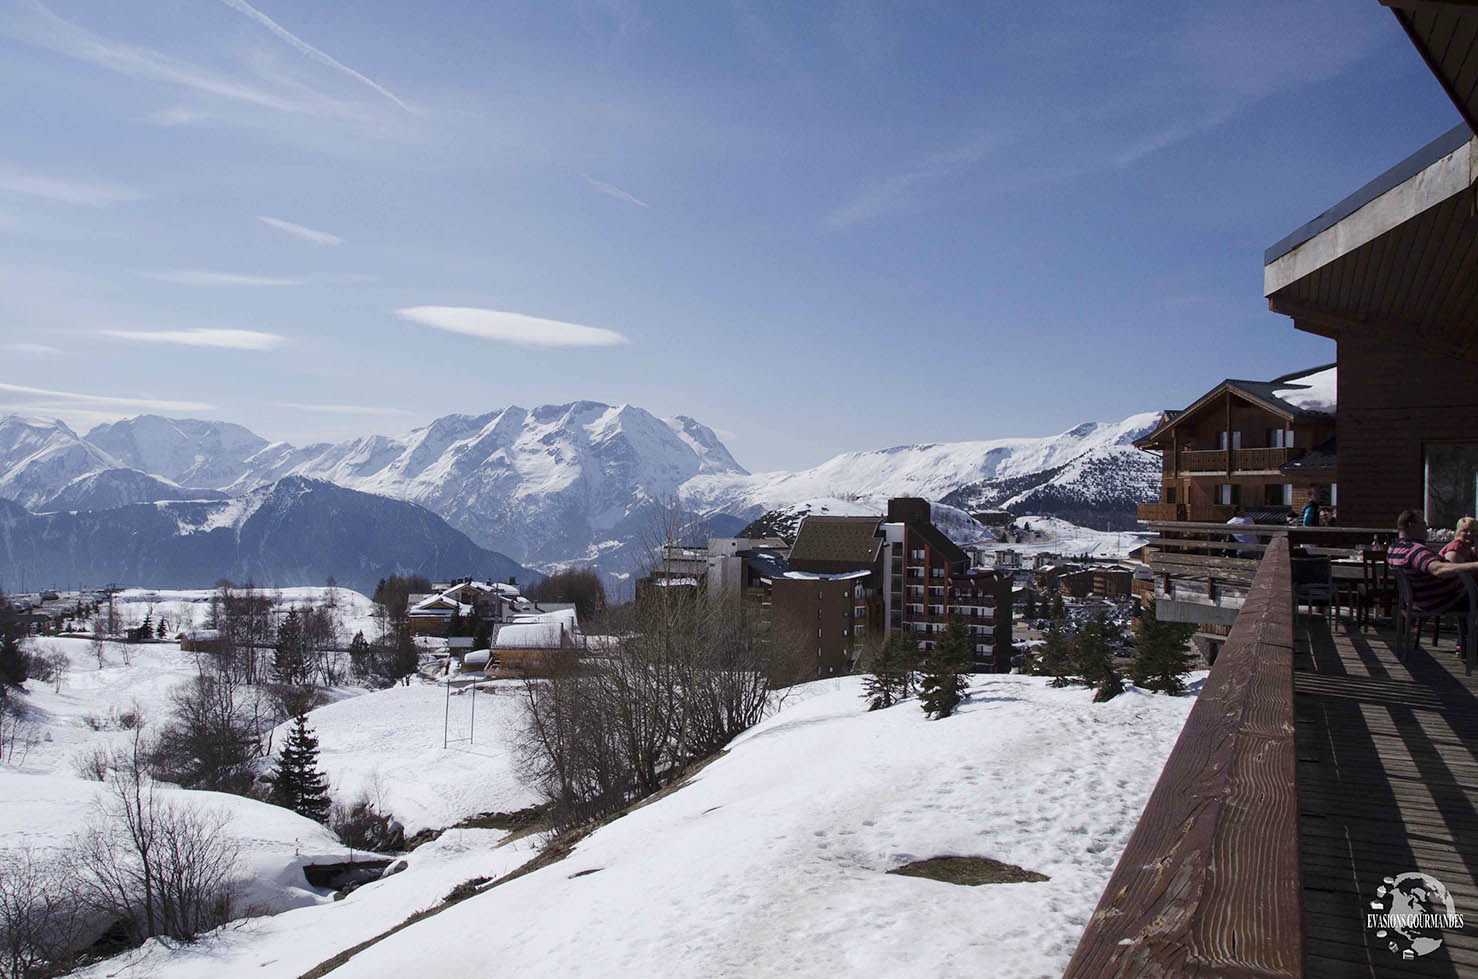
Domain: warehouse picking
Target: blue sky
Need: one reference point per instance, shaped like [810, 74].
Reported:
[814, 227]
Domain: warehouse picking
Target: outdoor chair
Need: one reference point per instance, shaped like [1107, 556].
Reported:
[1313, 584]
[1377, 590]
[1410, 620]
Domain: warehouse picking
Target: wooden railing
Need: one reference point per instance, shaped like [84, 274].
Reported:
[1209, 883]
[1203, 461]
[1269, 458]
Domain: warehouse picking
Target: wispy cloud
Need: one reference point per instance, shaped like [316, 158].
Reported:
[57, 34]
[40, 349]
[241, 6]
[66, 190]
[340, 409]
[177, 115]
[226, 339]
[206, 277]
[612, 190]
[516, 328]
[904, 191]
[148, 404]
[299, 231]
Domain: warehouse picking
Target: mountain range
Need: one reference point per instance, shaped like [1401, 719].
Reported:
[548, 486]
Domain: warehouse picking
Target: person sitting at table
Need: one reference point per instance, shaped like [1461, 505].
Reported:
[1463, 548]
[1435, 586]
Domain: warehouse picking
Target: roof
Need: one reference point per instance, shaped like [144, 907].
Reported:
[529, 635]
[768, 563]
[1414, 164]
[939, 542]
[1320, 459]
[1443, 33]
[1391, 261]
[1280, 396]
[837, 541]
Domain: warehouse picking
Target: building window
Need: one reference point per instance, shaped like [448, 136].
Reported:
[916, 554]
[1228, 494]
[1221, 440]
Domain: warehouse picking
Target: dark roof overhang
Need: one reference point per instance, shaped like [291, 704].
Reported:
[1446, 35]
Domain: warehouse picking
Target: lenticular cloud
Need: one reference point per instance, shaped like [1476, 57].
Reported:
[492, 324]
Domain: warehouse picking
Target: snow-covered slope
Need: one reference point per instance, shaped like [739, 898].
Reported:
[774, 860]
[109, 488]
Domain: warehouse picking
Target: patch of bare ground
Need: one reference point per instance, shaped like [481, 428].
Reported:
[970, 871]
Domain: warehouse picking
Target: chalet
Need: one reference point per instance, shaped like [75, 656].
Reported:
[1077, 583]
[1266, 446]
[526, 644]
[470, 602]
[1389, 275]
[1114, 582]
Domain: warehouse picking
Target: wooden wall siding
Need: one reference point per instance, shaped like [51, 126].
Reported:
[1393, 397]
[1209, 884]
[1448, 40]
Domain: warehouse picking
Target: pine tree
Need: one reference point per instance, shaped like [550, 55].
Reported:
[943, 682]
[889, 667]
[162, 631]
[1056, 658]
[361, 656]
[290, 663]
[14, 663]
[1059, 609]
[297, 784]
[1164, 658]
[1093, 659]
[1029, 610]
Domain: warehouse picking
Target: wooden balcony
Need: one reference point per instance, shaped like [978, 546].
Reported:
[1242, 460]
[1203, 461]
[1253, 460]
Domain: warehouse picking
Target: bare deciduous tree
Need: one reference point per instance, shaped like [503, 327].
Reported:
[41, 920]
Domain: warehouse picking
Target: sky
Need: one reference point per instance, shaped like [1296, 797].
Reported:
[814, 227]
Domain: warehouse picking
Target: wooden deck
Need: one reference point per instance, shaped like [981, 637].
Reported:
[1387, 783]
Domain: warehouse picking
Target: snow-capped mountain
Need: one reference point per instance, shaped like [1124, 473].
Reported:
[580, 482]
[39, 458]
[291, 532]
[187, 451]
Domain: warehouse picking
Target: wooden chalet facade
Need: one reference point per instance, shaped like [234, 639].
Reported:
[1391, 275]
[1244, 443]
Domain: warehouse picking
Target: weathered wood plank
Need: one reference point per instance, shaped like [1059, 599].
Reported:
[1209, 882]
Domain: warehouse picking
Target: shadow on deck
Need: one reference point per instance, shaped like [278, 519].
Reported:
[1387, 784]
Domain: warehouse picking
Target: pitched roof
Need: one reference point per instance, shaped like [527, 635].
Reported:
[837, 540]
[1273, 395]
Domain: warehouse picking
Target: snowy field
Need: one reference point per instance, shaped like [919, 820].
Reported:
[190, 608]
[1069, 540]
[389, 744]
[773, 860]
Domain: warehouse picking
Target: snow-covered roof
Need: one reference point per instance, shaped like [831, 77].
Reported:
[1315, 390]
[674, 582]
[816, 576]
[529, 635]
